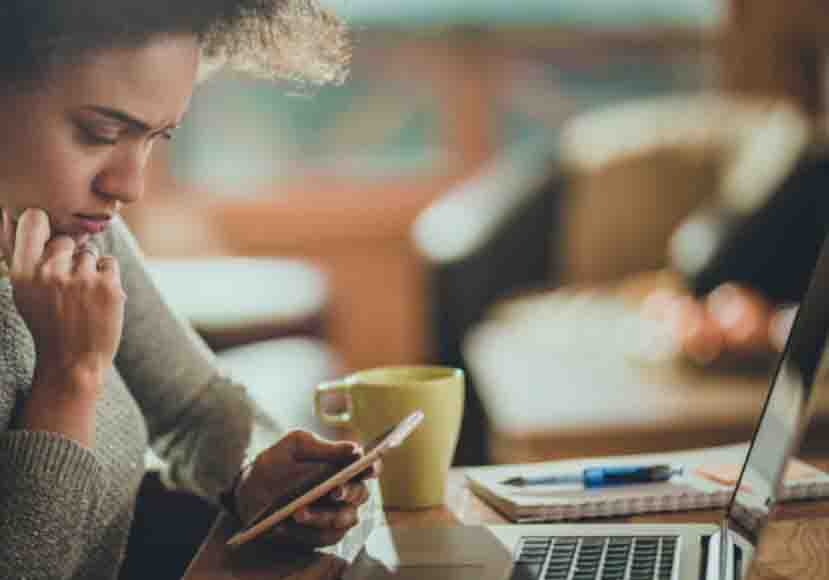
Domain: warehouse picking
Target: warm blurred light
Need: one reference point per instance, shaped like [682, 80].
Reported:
[410, 13]
[231, 292]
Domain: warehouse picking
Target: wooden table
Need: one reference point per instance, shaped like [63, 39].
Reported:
[795, 546]
[556, 372]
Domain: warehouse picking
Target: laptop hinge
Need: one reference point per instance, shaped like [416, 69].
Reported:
[720, 565]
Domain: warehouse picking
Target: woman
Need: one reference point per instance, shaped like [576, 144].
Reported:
[93, 366]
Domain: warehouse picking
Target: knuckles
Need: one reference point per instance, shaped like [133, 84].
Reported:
[49, 276]
[60, 244]
[346, 519]
[329, 537]
[52, 278]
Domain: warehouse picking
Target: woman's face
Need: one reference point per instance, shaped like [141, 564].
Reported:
[77, 145]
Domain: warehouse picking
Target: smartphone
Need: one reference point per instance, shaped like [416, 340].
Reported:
[322, 481]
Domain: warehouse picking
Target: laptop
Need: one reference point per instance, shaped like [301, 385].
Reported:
[627, 551]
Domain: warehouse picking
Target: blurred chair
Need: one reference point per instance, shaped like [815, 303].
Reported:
[605, 209]
[637, 170]
[484, 239]
[264, 317]
[242, 300]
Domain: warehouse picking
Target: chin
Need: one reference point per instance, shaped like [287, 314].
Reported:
[81, 239]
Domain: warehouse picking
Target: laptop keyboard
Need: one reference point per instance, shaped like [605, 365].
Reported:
[595, 558]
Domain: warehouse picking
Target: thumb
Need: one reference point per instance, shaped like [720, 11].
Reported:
[31, 236]
[311, 447]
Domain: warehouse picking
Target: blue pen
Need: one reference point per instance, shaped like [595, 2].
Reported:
[603, 476]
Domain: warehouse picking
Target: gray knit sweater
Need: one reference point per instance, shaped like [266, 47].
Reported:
[65, 510]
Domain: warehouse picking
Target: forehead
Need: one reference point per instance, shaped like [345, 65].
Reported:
[153, 81]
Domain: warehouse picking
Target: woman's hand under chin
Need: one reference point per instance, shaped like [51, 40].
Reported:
[72, 303]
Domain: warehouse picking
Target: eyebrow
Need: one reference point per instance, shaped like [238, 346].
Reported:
[126, 118]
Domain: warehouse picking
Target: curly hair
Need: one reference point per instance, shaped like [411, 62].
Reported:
[296, 40]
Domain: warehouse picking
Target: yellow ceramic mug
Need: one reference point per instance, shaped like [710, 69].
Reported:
[413, 476]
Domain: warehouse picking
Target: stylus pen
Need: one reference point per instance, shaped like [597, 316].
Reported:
[603, 476]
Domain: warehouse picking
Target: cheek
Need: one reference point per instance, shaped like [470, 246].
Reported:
[52, 175]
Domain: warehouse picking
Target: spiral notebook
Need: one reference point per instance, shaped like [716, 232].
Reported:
[706, 482]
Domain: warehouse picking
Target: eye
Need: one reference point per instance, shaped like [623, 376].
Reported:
[98, 137]
[167, 135]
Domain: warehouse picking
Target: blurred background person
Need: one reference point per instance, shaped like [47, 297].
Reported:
[480, 151]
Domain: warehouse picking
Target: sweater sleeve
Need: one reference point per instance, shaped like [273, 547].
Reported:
[199, 421]
[50, 489]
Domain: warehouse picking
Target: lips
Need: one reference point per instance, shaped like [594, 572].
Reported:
[84, 224]
[93, 223]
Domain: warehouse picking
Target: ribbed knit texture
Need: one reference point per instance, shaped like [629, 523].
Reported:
[65, 511]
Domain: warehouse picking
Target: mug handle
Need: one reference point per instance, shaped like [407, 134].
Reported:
[337, 419]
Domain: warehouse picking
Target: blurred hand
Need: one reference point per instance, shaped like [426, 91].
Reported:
[70, 299]
[274, 474]
[732, 320]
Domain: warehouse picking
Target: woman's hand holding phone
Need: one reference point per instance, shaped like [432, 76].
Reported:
[278, 471]
[73, 304]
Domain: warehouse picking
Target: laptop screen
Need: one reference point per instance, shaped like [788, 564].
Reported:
[785, 414]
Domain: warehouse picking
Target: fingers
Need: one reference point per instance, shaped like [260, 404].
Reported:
[781, 325]
[58, 255]
[109, 265]
[354, 493]
[109, 268]
[315, 527]
[310, 447]
[86, 259]
[342, 517]
[700, 336]
[695, 333]
[62, 256]
[291, 533]
[371, 472]
[28, 243]
[743, 315]
[731, 319]
[32, 234]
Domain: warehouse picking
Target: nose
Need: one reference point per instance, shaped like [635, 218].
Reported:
[122, 178]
